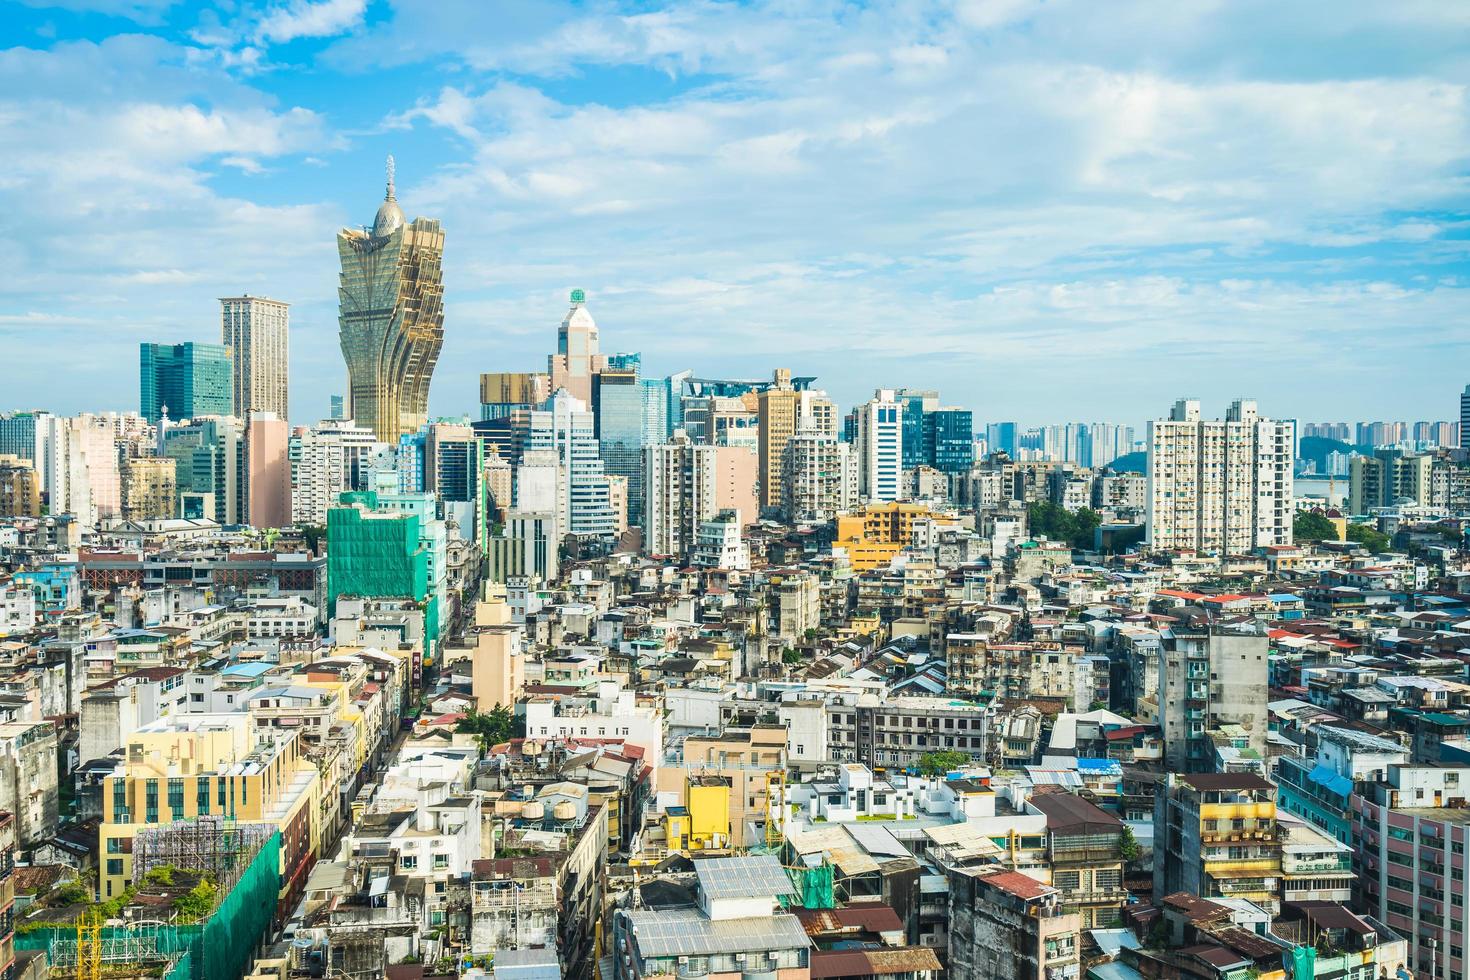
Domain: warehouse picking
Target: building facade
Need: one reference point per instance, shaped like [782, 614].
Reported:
[188, 380]
[257, 332]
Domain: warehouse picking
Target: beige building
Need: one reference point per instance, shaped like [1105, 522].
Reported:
[149, 488]
[267, 470]
[782, 412]
[20, 488]
[744, 756]
[257, 332]
[391, 317]
[1219, 486]
[686, 484]
[497, 662]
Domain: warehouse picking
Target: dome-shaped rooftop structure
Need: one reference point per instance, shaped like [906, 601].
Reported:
[390, 216]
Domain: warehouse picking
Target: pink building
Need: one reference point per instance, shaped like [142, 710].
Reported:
[267, 471]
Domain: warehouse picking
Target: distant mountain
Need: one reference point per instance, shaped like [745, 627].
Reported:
[1130, 463]
[1317, 449]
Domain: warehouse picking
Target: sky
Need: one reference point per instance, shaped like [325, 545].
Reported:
[1048, 211]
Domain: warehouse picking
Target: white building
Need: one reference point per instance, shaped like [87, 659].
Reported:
[281, 616]
[564, 427]
[819, 477]
[79, 465]
[612, 713]
[17, 610]
[719, 543]
[327, 463]
[880, 448]
[1219, 486]
[685, 484]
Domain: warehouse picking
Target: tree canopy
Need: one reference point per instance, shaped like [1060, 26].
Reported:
[498, 725]
[1311, 526]
[1059, 524]
[1369, 537]
[939, 763]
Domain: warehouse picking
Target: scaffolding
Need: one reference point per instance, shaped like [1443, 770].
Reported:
[215, 846]
[218, 948]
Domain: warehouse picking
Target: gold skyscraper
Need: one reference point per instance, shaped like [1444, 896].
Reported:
[391, 317]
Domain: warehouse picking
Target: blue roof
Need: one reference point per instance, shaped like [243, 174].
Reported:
[1108, 767]
[1440, 600]
[1325, 776]
[252, 669]
[1284, 597]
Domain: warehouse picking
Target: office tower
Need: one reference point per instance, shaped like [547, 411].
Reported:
[20, 487]
[819, 477]
[257, 331]
[452, 461]
[22, 435]
[190, 380]
[949, 440]
[1387, 478]
[577, 358]
[1465, 418]
[880, 447]
[916, 407]
[338, 407]
[209, 455]
[504, 392]
[620, 428]
[1000, 437]
[148, 488]
[330, 456]
[566, 429]
[1219, 486]
[686, 483]
[527, 547]
[392, 317]
[267, 471]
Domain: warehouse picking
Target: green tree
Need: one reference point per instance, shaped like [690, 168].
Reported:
[939, 763]
[1128, 848]
[1310, 526]
[1045, 518]
[313, 533]
[1369, 537]
[499, 725]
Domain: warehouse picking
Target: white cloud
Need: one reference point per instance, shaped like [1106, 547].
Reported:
[305, 18]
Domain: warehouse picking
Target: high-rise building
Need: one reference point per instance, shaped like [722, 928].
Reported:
[267, 470]
[880, 447]
[257, 331]
[149, 490]
[209, 455]
[949, 440]
[80, 467]
[578, 357]
[1219, 486]
[1465, 418]
[20, 487]
[189, 379]
[784, 409]
[819, 477]
[686, 483]
[1389, 477]
[916, 406]
[619, 411]
[504, 392]
[566, 429]
[329, 458]
[391, 317]
[1000, 437]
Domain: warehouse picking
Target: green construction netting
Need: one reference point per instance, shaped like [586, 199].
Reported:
[1303, 963]
[814, 887]
[374, 555]
[221, 947]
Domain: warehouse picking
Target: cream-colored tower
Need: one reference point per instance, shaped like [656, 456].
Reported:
[391, 317]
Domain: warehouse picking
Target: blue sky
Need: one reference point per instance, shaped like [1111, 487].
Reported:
[1048, 210]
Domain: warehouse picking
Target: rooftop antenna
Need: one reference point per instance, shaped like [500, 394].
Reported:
[390, 196]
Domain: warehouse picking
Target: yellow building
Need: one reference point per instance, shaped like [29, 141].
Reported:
[703, 823]
[741, 757]
[198, 765]
[20, 488]
[497, 664]
[874, 536]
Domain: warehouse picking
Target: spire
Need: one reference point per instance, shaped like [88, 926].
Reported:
[390, 196]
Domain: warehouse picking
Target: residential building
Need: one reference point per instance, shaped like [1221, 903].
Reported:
[1207, 679]
[149, 488]
[719, 543]
[209, 460]
[28, 779]
[329, 461]
[1219, 486]
[819, 477]
[685, 484]
[782, 410]
[565, 429]
[185, 380]
[1084, 848]
[267, 470]
[391, 317]
[1005, 925]
[1216, 836]
[1389, 478]
[20, 487]
[257, 332]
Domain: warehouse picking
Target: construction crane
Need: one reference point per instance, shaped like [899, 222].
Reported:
[89, 945]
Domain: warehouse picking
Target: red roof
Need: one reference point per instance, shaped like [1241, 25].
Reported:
[1018, 884]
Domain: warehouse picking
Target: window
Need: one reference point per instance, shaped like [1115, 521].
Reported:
[151, 801]
[409, 862]
[114, 866]
[441, 861]
[176, 797]
[201, 795]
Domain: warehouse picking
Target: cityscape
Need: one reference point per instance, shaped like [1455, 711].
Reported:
[735, 645]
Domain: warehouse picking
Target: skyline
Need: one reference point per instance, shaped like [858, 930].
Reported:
[1044, 212]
